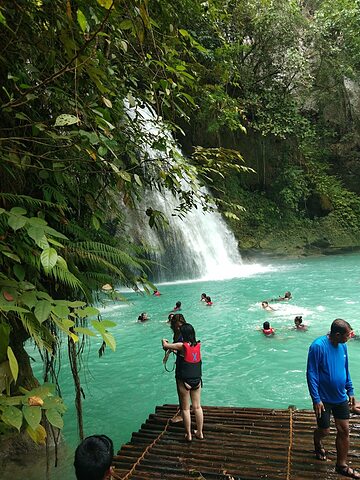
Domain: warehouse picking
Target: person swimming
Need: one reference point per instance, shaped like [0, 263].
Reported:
[156, 293]
[177, 307]
[208, 301]
[265, 305]
[143, 317]
[298, 323]
[267, 329]
[203, 297]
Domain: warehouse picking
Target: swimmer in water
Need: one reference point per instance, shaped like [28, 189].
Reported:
[267, 329]
[265, 305]
[143, 317]
[203, 297]
[156, 293]
[298, 323]
[177, 307]
[208, 301]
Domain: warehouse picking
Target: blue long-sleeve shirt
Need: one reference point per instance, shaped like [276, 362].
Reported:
[327, 372]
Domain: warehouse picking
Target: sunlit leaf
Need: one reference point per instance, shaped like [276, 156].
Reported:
[14, 366]
[65, 119]
[105, 3]
[16, 221]
[48, 258]
[109, 340]
[18, 211]
[82, 22]
[38, 435]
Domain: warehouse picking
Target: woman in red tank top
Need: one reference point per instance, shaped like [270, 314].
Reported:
[188, 378]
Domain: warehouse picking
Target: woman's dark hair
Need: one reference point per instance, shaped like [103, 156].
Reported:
[178, 304]
[298, 319]
[188, 334]
[177, 317]
[93, 457]
[266, 325]
[208, 299]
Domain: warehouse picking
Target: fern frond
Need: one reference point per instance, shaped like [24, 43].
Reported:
[96, 261]
[25, 200]
[50, 191]
[110, 254]
[39, 333]
[65, 277]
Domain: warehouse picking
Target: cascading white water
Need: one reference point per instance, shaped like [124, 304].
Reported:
[198, 246]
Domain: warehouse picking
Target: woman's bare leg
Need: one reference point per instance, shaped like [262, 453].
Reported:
[199, 416]
[185, 408]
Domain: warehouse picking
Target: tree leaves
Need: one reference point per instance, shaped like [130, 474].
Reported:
[65, 119]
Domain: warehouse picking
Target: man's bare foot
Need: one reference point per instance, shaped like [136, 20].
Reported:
[198, 435]
[188, 437]
[320, 452]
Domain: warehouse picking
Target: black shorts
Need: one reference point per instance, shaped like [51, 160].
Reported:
[340, 411]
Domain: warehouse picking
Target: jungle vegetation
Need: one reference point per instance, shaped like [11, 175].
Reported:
[262, 94]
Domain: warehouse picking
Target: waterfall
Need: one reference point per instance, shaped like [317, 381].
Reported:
[197, 246]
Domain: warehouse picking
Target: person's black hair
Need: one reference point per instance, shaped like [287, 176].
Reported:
[93, 457]
[208, 299]
[339, 326]
[188, 334]
[178, 304]
[266, 325]
[287, 294]
[177, 317]
[298, 318]
[264, 301]
[203, 295]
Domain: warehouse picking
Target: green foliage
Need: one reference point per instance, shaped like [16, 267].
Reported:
[25, 410]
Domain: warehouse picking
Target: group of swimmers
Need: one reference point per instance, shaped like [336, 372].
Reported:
[268, 330]
[205, 298]
[143, 317]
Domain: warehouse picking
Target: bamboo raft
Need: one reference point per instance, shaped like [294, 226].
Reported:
[239, 444]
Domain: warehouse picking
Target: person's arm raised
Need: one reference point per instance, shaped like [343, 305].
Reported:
[171, 346]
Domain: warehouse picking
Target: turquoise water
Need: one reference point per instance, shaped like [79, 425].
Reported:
[241, 366]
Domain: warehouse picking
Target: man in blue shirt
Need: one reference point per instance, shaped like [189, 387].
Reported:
[331, 391]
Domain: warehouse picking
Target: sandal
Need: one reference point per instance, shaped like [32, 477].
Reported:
[347, 471]
[320, 454]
